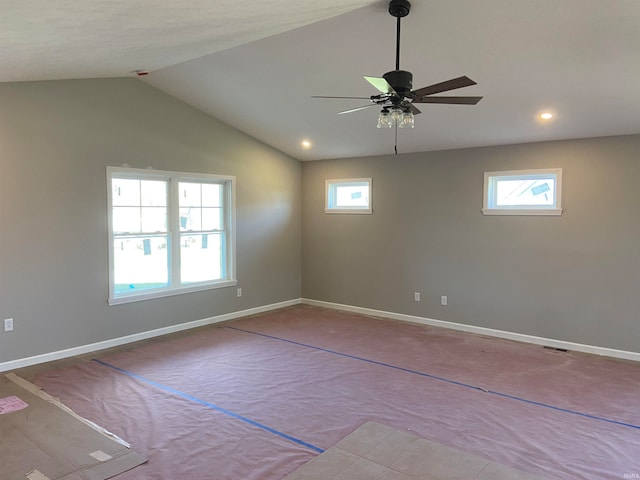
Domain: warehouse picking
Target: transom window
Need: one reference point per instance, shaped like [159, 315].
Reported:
[523, 192]
[348, 195]
[169, 233]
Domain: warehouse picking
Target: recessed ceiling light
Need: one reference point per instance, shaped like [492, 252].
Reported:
[306, 144]
[546, 116]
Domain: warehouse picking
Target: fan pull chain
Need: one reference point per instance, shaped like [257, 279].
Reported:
[395, 146]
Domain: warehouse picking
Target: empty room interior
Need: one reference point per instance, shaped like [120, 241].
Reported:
[335, 240]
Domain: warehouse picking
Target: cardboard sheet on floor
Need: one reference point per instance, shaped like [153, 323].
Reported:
[43, 441]
[381, 452]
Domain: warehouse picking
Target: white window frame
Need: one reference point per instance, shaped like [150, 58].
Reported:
[489, 201]
[331, 186]
[173, 227]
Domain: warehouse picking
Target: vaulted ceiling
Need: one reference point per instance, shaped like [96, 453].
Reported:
[256, 65]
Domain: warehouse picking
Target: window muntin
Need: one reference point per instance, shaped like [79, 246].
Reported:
[170, 233]
[139, 205]
[348, 196]
[523, 192]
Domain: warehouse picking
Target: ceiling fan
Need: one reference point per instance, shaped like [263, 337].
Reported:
[396, 96]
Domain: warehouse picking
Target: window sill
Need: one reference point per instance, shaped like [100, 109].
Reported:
[356, 211]
[521, 211]
[139, 297]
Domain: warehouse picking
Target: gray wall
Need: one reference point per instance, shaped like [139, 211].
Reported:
[574, 278]
[56, 139]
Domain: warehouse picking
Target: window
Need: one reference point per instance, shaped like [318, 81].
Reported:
[348, 196]
[523, 192]
[169, 233]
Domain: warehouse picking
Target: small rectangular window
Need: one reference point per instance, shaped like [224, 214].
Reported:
[523, 192]
[348, 196]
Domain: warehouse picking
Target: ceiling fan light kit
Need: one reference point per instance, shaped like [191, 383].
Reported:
[390, 116]
[396, 96]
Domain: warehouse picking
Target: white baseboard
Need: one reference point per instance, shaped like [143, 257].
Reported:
[549, 342]
[93, 347]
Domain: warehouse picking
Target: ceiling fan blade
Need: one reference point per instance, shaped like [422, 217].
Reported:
[381, 84]
[414, 109]
[356, 109]
[450, 100]
[354, 98]
[452, 84]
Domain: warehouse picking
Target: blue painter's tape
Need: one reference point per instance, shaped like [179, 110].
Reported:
[442, 379]
[211, 405]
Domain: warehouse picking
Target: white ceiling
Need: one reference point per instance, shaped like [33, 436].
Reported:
[255, 65]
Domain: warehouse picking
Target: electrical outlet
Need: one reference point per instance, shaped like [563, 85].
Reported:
[8, 324]
[443, 300]
[239, 292]
[416, 296]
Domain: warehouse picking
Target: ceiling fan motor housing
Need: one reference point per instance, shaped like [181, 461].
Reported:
[400, 80]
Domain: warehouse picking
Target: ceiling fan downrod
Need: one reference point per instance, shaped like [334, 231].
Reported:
[400, 80]
[399, 9]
